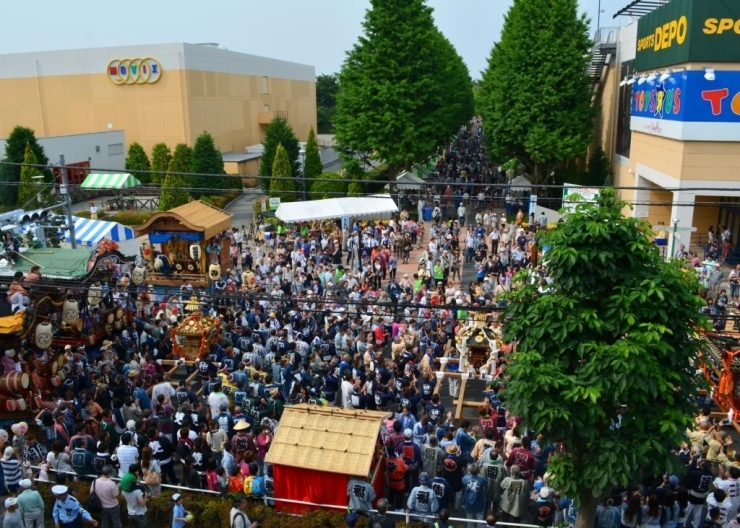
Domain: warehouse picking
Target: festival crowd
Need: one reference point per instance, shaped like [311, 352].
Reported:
[325, 318]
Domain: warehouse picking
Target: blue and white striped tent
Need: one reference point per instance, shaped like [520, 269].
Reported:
[90, 232]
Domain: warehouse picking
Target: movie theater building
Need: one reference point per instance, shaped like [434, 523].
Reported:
[670, 99]
[156, 93]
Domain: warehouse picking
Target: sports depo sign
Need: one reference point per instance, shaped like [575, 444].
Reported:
[689, 31]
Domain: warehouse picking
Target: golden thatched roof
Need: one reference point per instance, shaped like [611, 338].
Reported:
[196, 216]
[326, 439]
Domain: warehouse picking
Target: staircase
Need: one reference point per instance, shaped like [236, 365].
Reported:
[605, 45]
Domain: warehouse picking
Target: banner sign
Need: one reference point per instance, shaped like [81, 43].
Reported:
[573, 195]
[688, 31]
[704, 110]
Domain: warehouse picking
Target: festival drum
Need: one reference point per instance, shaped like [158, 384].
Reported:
[20, 404]
[44, 335]
[56, 381]
[14, 382]
[8, 403]
[70, 311]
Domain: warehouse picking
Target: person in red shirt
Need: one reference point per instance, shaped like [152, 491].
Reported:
[396, 468]
[523, 457]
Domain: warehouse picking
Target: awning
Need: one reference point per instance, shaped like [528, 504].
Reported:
[110, 181]
[408, 181]
[90, 232]
[520, 184]
[355, 207]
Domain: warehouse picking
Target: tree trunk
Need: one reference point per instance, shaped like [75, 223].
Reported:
[586, 511]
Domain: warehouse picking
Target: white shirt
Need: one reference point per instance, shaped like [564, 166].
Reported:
[461, 211]
[127, 455]
[347, 390]
[215, 400]
[165, 388]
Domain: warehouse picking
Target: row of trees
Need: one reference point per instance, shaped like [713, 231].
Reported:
[18, 184]
[203, 161]
[403, 89]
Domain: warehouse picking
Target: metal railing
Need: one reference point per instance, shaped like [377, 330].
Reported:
[407, 516]
[606, 36]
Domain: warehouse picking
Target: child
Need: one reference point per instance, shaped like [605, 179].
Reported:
[180, 516]
[211, 475]
[236, 481]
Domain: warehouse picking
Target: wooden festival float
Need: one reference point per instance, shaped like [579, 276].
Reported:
[181, 242]
[193, 337]
[478, 349]
[719, 361]
[74, 308]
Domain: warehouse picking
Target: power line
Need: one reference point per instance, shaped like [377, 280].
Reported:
[371, 181]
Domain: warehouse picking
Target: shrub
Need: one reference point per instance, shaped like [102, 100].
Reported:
[130, 218]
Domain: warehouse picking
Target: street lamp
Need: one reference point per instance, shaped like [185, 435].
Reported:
[673, 237]
[302, 152]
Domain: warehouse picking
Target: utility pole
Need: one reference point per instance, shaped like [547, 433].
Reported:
[67, 203]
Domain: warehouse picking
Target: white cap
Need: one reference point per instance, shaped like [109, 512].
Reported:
[131, 425]
[25, 483]
[11, 501]
[59, 489]
[176, 497]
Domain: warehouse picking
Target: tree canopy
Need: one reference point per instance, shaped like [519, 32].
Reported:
[174, 186]
[278, 132]
[207, 168]
[535, 97]
[161, 157]
[401, 88]
[614, 328]
[327, 87]
[30, 188]
[313, 166]
[137, 160]
[15, 152]
[282, 185]
[328, 185]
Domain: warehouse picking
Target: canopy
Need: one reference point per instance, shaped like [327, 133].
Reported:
[90, 232]
[520, 184]
[56, 263]
[110, 181]
[372, 206]
[408, 181]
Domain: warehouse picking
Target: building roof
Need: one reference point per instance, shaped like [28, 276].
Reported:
[326, 439]
[239, 157]
[56, 263]
[198, 216]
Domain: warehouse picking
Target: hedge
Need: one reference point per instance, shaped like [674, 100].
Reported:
[209, 510]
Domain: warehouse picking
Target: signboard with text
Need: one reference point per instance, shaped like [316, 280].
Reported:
[573, 195]
[688, 107]
[688, 31]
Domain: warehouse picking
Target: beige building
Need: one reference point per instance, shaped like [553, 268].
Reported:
[670, 117]
[160, 93]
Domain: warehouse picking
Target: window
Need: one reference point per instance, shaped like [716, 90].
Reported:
[265, 108]
[264, 86]
[115, 149]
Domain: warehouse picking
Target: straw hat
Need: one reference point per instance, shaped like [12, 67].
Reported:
[241, 425]
[453, 449]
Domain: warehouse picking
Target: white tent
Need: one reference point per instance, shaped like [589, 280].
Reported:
[372, 206]
[407, 181]
[520, 184]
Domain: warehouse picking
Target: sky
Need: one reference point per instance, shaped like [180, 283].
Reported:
[317, 32]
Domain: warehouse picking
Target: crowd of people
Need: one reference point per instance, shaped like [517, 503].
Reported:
[326, 318]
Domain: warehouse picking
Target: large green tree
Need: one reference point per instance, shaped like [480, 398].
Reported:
[535, 97]
[327, 87]
[328, 185]
[614, 328]
[137, 160]
[161, 157]
[15, 152]
[174, 186]
[395, 98]
[278, 132]
[283, 183]
[599, 169]
[207, 168]
[313, 166]
[30, 187]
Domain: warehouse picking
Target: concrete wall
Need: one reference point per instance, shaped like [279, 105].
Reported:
[106, 150]
[201, 88]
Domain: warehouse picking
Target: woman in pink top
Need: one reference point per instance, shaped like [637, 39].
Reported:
[263, 441]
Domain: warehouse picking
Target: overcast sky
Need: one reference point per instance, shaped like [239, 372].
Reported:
[317, 32]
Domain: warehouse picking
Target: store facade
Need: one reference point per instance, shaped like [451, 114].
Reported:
[672, 99]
